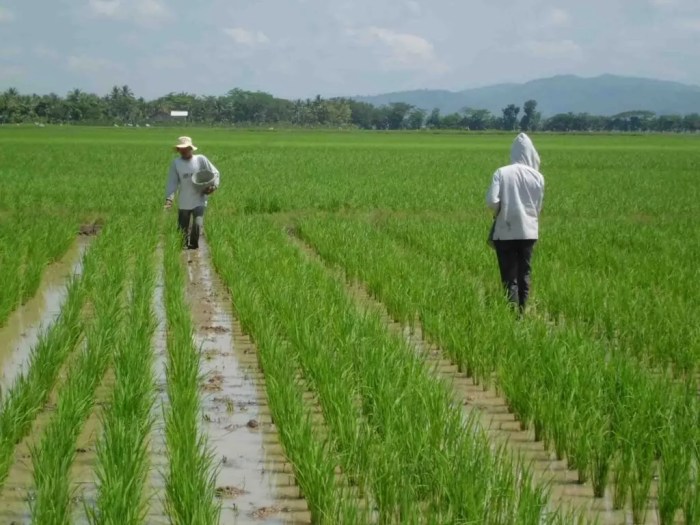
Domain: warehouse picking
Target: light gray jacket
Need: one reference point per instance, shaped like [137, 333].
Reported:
[516, 193]
[180, 175]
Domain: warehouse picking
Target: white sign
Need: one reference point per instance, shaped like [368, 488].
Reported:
[174, 113]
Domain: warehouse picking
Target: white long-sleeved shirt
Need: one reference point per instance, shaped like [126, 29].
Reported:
[516, 193]
[180, 176]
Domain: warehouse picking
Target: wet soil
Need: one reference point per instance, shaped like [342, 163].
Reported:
[495, 417]
[90, 229]
[19, 334]
[16, 492]
[22, 329]
[82, 472]
[255, 481]
[155, 493]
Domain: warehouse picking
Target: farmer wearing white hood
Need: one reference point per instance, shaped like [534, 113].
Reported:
[192, 200]
[515, 196]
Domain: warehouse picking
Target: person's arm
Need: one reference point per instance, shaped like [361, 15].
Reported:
[493, 199]
[171, 185]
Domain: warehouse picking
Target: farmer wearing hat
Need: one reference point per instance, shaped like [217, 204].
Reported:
[192, 200]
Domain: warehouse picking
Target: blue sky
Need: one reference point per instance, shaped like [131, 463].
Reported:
[300, 48]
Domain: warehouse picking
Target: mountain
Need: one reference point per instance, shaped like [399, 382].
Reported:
[602, 95]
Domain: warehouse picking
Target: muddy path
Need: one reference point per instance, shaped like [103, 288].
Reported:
[22, 329]
[255, 482]
[155, 493]
[494, 415]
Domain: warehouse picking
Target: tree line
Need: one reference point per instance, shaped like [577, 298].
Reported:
[247, 108]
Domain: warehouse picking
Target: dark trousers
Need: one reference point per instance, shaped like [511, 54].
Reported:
[514, 262]
[191, 235]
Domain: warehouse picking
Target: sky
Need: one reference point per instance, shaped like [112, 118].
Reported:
[301, 48]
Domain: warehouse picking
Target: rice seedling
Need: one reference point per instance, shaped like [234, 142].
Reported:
[122, 452]
[54, 454]
[190, 483]
[408, 421]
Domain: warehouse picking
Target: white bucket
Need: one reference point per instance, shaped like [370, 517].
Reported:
[203, 179]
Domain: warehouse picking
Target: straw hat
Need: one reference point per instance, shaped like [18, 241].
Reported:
[185, 142]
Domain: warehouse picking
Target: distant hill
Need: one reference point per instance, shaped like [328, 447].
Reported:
[602, 95]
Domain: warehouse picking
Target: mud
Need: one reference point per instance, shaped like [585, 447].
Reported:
[22, 330]
[495, 418]
[82, 472]
[155, 494]
[90, 229]
[16, 492]
[255, 482]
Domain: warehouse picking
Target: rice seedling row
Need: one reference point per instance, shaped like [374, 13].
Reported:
[26, 323]
[53, 456]
[613, 306]
[313, 460]
[190, 483]
[494, 416]
[27, 246]
[31, 389]
[408, 424]
[241, 440]
[594, 409]
[122, 452]
[645, 311]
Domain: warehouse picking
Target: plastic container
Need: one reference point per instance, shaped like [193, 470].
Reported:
[203, 179]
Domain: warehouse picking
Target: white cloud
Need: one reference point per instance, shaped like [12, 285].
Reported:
[6, 15]
[246, 37]
[106, 8]
[557, 17]
[551, 49]
[86, 64]
[402, 50]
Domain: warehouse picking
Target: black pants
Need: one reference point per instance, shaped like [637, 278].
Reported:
[191, 235]
[514, 262]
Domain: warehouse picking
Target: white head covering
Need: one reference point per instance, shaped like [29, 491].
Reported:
[523, 152]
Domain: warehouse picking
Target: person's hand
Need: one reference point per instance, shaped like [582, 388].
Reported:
[168, 204]
[209, 190]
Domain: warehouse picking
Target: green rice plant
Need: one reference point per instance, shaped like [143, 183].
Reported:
[122, 452]
[676, 457]
[592, 394]
[27, 246]
[622, 474]
[190, 483]
[408, 419]
[54, 454]
[691, 499]
[30, 391]
[314, 459]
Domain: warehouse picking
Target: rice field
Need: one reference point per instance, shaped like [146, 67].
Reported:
[339, 349]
